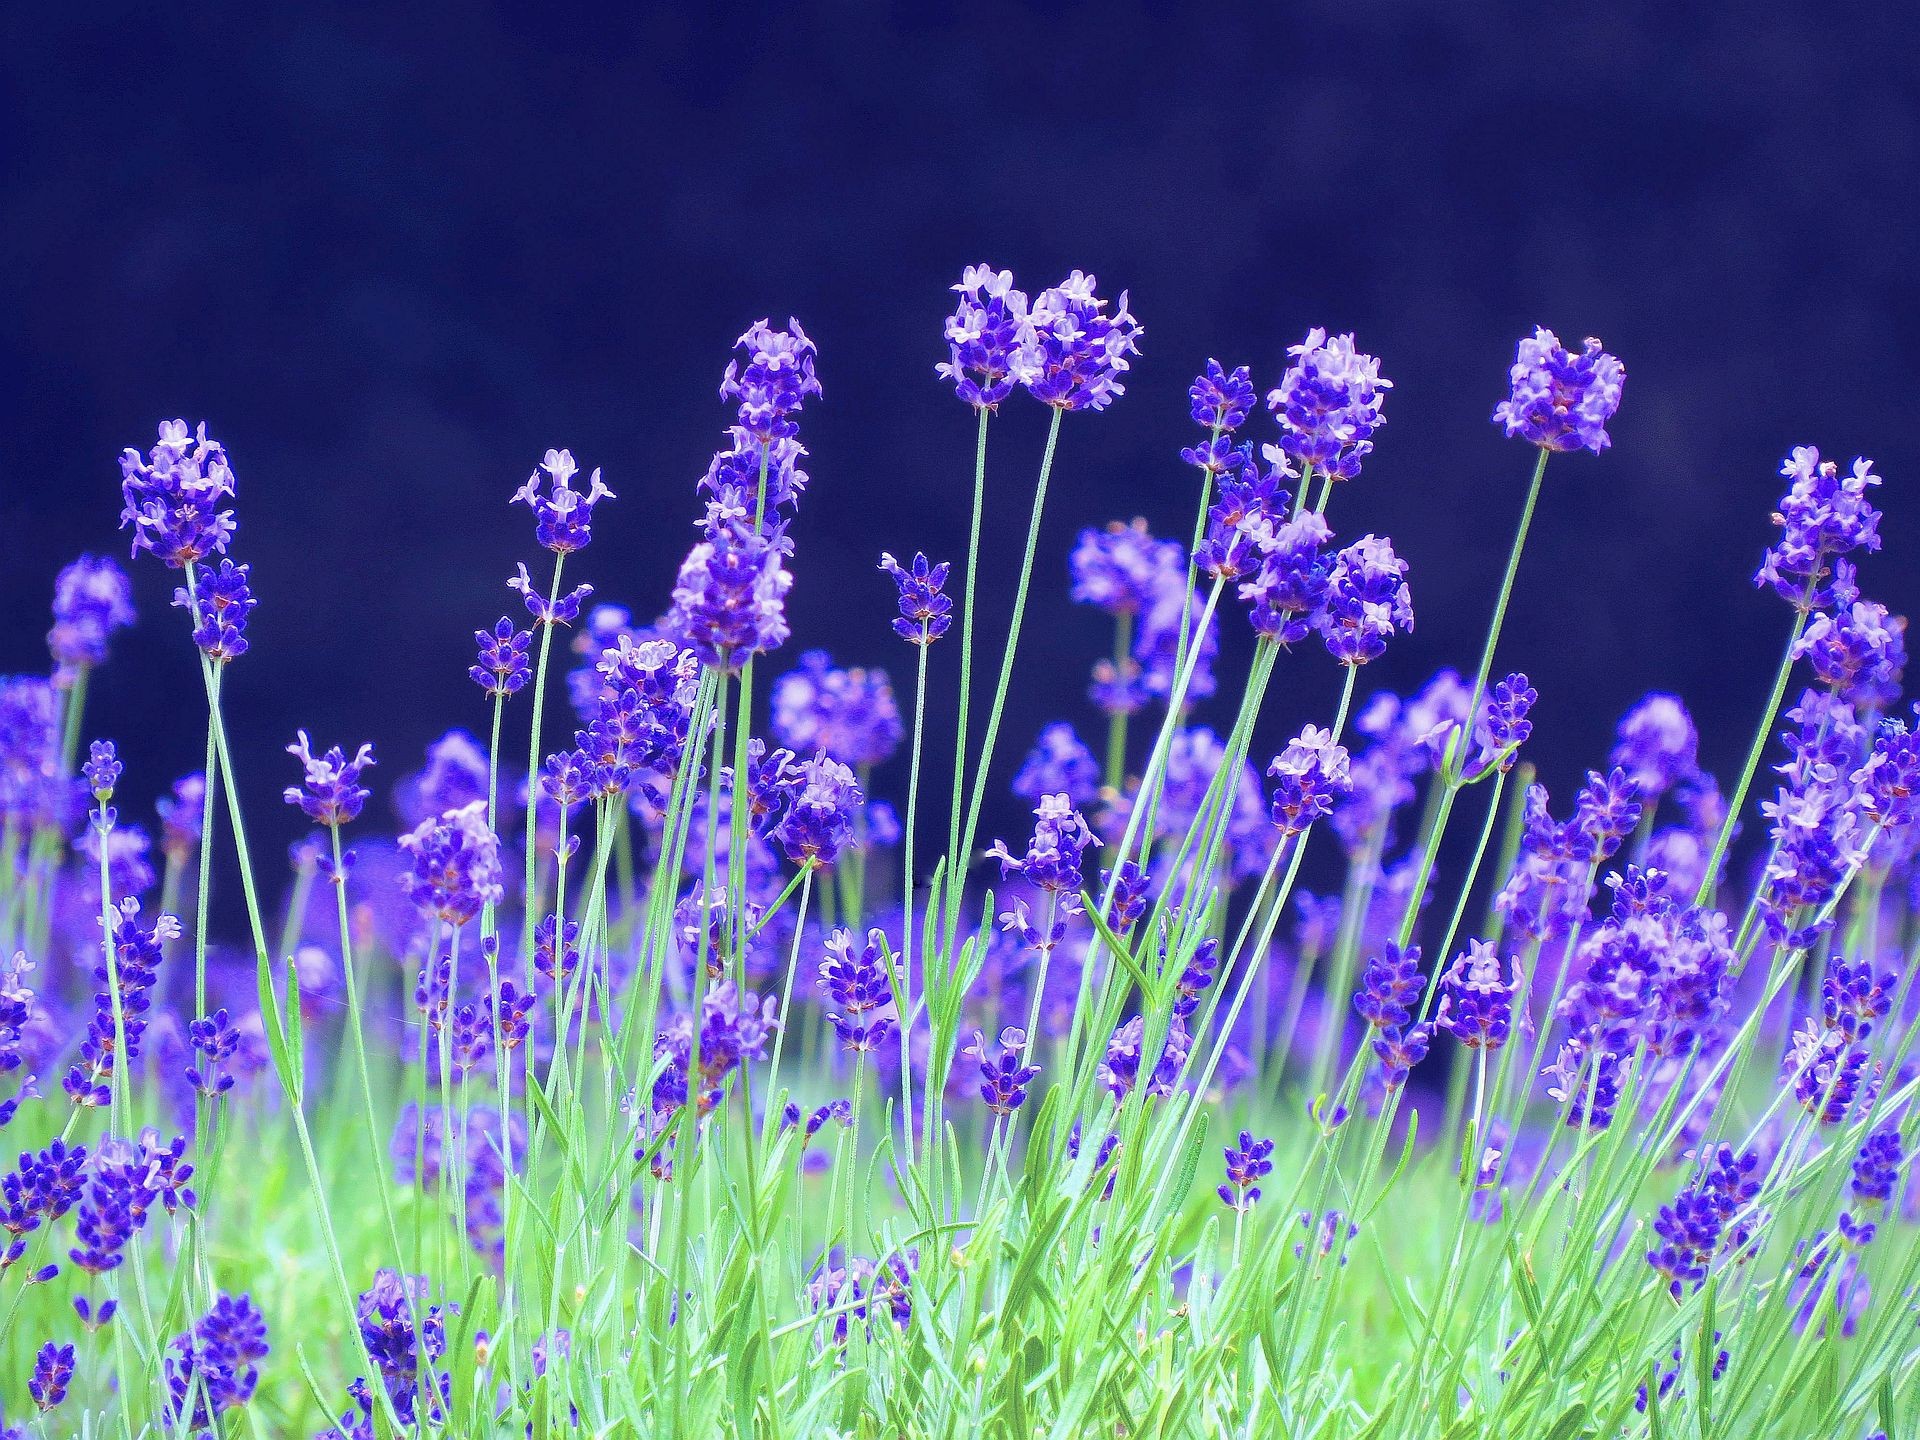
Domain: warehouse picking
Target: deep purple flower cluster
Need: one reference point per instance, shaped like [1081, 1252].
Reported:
[214, 1366]
[502, 668]
[125, 1181]
[1004, 1076]
[1059, 764]
[1309, 776]
[1071, 353]
[102, 771]
[1858, 651]
[1367, 601]
[1553, 875]
[453, 869]
[1389, 986]
[771, 378]
[1819, 819]
[1329, 404]
[214, 1042]
[41, 1188]
[1119, 1071]
[1128, 899]
[1876, 1169]
[1655, 973]
[30, 792]
[1289, 591]
[850, 713]
[862, 1290]
[983, 334]
[820, 812]
[639, 722]
[331, 795]
[1123, 568]
[563, 517]
[1476, 998]
[405, 1337]
[172, 495]
[1052, 861]
[136, 962]
[1248, 1162]
[926, 613]
[734, 1028]
[52, 1374]
[1823, 516]
[92, 598]
[548, 609]
[220, 601]
[1502, 725]
[1657, 745]
[1560, 400]
[1708, 1217]
[730, 599]
[854, 978]
[1221, 401]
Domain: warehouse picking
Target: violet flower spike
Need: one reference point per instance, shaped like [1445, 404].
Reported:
[331, 795]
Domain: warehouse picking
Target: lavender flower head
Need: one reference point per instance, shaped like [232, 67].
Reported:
[983, 334]
[1502, 726]
[819, 819]
[730, 599]
[1221, 401]
[102, 769]
[1123, 568]
[1309, 776]
[1561, 401]
[1247, 1163]
[1059, 763]
[1858, 651]
[1476, 998]
[1367, 601]
[771, 379]
[52, 1373]
[1329, 404]
[1052, 861]
[453, 865]
[855, 980]
[1004, 1077]
[220, 601]
[1823, 516]
[850, 714]
[1657, 745]
[171, 496]
[502, 667]
[563, 517]
[92, 598]
[925, 611]
[331, 795]
[1072, 353]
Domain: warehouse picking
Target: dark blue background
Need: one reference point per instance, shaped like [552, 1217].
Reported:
[394, 252]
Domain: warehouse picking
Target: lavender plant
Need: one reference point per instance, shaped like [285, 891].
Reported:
[1529, 1127]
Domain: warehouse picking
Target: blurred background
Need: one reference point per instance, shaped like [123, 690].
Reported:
[392, 253]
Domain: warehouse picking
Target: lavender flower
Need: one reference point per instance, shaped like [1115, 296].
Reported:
[819, 819]
[855, 980]
[771, 379]
[983, 334]
[1389, 985]
[1706, 1219]
[1502, 726]
[405, 1337]
[1658, 746]
[213, 1367]
[102, 769]
[730, 599]
[1220, 400]
[1289, 589]
[1398, 1051]
[1367, 601]
[563, 518]
[454, 865]
[1858, 652]
[137, 955]
[1309, 776]
[1476, 998]
[503, 667]
[1129, 895]
[1052, 861]
[1329, 404]
[1071, 353]
[332, 794]
[1823, 516]
[92, 598]
[172, 495]
[214, 1042]
[220, 601]
[1119, 1071]
[1004, 1077]
[52, 1373]
[1123, 568]
[850, 714]
[1247, 1164]
[925, 611]
[1561, 401]
[1059, 764]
